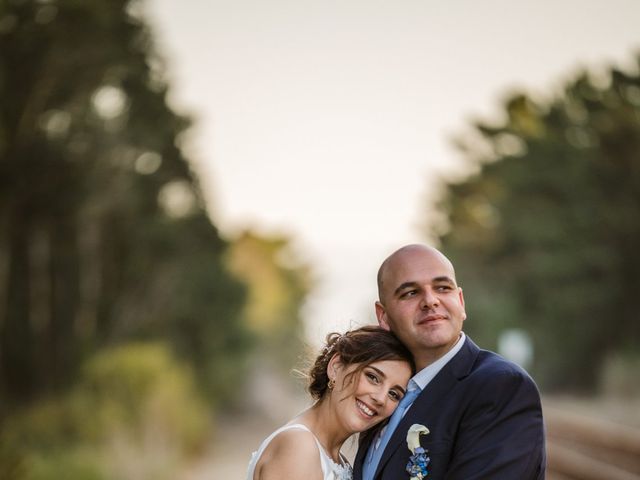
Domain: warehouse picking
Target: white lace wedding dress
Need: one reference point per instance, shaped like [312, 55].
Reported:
[330, 469]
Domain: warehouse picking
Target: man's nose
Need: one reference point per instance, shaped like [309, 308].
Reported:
[429, 299]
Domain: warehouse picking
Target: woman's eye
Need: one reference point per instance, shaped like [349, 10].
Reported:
[395, 395]
[372, 377]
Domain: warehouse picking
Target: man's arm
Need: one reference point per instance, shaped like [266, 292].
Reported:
[501, 436]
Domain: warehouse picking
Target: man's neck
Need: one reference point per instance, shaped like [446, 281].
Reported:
[425, 358]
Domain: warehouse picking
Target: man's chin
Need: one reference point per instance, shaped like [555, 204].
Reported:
[436, 342]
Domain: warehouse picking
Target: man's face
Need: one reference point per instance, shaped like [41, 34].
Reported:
[421, 303]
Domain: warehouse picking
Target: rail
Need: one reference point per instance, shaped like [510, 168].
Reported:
[580, 447]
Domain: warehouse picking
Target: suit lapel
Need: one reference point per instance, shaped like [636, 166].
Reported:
[424, 406]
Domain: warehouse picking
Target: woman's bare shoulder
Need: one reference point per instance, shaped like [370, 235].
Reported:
[292, 454]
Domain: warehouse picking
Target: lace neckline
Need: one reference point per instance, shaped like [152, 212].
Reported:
[343, 471]
[340, 468]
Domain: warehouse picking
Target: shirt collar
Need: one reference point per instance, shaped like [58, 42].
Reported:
[424, 376]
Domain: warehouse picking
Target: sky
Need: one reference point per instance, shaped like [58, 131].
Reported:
[332, 121]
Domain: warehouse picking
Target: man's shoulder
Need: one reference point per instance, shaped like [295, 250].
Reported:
[494, 379]
[493, 361]
[492, 365]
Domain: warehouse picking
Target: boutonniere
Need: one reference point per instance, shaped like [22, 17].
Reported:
[418, 461]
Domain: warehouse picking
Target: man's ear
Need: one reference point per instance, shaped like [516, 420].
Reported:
[461, 296]
[381, 315]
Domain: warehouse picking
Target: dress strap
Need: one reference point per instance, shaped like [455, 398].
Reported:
[293, 426]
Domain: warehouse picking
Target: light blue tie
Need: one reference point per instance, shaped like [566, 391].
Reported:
[375, 451]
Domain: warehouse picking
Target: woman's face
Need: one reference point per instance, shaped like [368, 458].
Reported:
[368, 397]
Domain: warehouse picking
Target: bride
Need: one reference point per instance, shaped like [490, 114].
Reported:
[357, 382]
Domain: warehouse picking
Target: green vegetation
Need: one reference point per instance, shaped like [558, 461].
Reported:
[134, 413]
[104, 231]
[122, 329]
[277, 285]
[545, 234]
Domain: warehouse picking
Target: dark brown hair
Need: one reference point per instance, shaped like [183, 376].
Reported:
[362, 346]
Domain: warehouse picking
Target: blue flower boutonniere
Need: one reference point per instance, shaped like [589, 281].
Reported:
[418, 461]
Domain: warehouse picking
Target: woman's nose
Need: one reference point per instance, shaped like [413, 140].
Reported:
[377, 397]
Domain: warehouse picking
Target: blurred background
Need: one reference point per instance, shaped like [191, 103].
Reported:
[193, 194]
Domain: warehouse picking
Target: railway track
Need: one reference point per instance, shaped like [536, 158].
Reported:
[581, 447]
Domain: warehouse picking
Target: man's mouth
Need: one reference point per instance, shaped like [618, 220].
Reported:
[431, 318]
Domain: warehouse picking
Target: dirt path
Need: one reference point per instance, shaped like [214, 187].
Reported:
[270, 401]
[229, 454]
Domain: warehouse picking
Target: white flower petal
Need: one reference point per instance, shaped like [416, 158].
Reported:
[413, 436]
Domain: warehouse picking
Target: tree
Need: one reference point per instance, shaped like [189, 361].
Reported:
[278, 283]
[545, 234]
[104, 236]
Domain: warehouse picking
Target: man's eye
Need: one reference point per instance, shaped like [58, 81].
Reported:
[409, 293]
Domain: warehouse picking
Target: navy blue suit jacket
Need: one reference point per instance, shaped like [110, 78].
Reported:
[485, 421]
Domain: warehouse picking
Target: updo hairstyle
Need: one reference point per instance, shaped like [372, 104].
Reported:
[362, 346]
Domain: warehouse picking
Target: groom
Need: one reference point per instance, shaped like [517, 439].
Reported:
[482, 412]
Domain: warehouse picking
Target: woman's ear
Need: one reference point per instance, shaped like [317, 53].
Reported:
[334, 366]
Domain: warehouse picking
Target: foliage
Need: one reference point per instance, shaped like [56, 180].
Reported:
[544, 236]
[104, 237]
[71, 465]
[277, 283]
[134, 414]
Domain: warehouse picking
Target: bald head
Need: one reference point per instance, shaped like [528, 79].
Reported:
[420, 301]
[407, 254]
